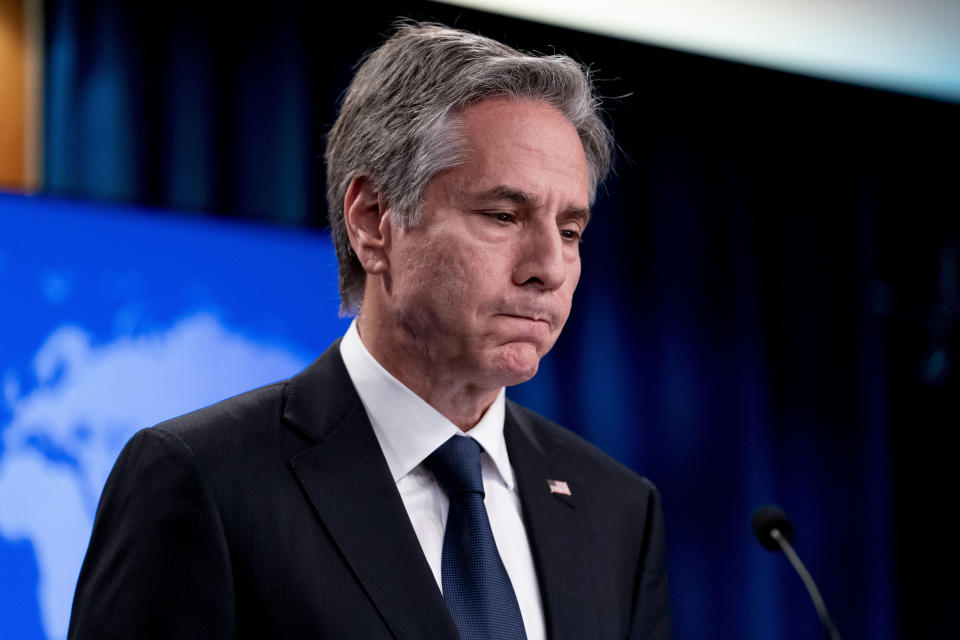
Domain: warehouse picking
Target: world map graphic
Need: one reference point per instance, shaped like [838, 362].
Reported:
[113, 321]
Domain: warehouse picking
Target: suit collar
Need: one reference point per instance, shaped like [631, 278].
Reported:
[555, 526]
[346, 479]
[407, 427]
[318, 398]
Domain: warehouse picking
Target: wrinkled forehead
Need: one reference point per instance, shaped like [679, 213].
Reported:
[507, 119]
[524, 148]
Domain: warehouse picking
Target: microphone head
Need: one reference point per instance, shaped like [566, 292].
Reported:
[766, 519]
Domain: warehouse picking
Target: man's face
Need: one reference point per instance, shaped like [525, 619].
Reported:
[486, 280]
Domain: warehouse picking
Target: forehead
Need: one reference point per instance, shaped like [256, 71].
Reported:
[526, 145]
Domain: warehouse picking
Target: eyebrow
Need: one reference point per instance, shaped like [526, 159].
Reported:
[516, 196]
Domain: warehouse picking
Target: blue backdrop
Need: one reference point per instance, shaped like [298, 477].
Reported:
[115, 319]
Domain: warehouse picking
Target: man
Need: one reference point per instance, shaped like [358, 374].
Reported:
[390, 490]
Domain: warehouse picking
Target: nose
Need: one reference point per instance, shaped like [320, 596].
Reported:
[541, 262]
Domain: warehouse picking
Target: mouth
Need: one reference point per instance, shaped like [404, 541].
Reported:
[529, 318]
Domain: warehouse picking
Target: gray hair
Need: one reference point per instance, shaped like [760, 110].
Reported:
[398, 123]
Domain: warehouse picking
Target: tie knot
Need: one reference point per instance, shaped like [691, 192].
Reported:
[456, 466]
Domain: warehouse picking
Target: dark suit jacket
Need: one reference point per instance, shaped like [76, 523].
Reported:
[274, 515]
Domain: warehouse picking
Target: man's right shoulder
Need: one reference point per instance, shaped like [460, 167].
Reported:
[265, 425]
[259, 407]
[221, 436]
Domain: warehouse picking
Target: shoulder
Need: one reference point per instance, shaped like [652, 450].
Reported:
[209, 442]
[250, 438]
[577, 458]
[618, 511]
[322, 391]
[230, 418]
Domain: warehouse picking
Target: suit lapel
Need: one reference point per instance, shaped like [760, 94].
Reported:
[555, 526]
[346, 479]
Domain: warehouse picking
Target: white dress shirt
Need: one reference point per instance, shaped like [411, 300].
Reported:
[408, 430]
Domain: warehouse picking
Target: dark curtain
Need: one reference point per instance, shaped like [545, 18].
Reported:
[194, 106]
[769, 303]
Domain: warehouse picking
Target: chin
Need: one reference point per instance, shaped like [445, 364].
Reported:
[518, 365]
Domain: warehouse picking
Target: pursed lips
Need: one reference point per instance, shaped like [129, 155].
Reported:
[531, 317]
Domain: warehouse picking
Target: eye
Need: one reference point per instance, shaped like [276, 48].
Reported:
[571, 234]
[502, 217]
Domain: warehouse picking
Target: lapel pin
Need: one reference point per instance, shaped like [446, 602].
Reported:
[559, 487]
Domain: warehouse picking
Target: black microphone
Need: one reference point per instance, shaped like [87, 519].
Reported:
[772, 527]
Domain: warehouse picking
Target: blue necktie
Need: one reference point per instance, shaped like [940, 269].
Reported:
[476, 586]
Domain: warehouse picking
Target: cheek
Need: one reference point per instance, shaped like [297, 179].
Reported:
[570, 285]
[460, 265]
[441, 279]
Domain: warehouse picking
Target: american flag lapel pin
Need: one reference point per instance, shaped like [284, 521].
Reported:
[559, 487]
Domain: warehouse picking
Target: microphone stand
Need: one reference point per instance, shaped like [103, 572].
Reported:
[808, 582]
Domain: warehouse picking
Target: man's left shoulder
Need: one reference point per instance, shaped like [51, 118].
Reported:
[579, 461]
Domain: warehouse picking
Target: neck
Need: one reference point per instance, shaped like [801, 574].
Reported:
[453, 395]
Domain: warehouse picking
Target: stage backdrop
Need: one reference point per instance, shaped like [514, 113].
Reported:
[768, 309]
[115, 319]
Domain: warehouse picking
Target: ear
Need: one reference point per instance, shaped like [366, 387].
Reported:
[363, 212]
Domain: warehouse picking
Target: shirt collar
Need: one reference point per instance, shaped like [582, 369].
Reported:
[407, 428]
